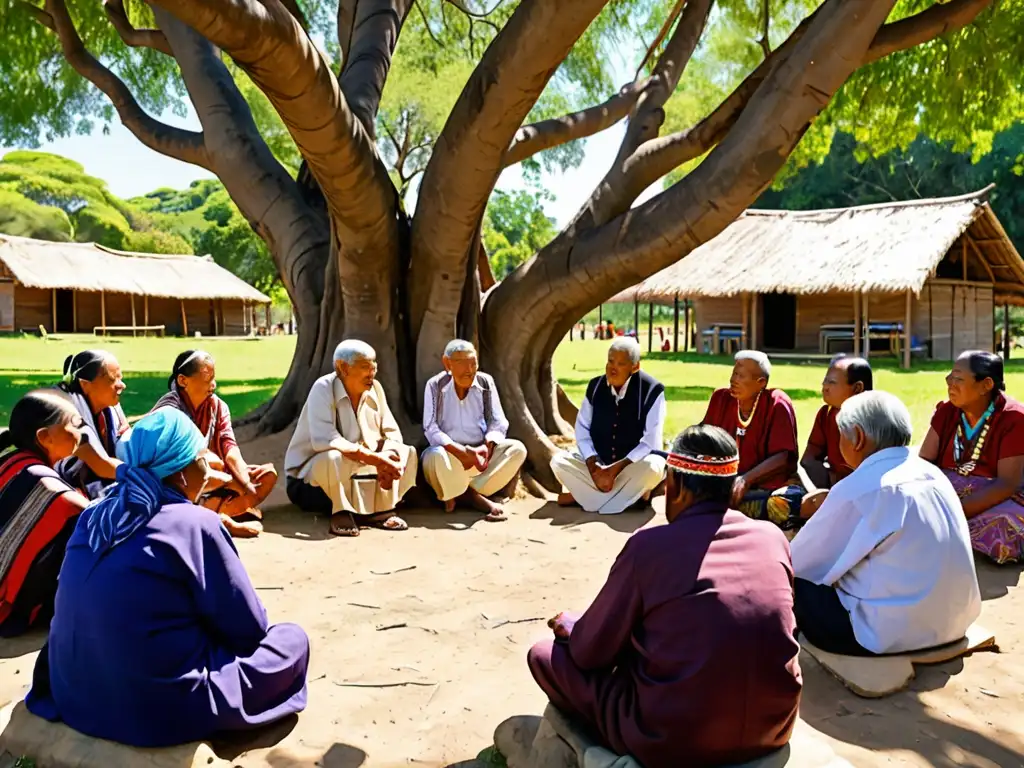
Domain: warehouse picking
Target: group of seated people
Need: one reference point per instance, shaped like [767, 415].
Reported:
[137, 521]
[976, 440]
[690, 648]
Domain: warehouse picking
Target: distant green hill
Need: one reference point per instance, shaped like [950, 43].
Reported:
[49, 197]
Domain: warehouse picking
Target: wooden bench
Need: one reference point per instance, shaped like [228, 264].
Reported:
[722, 338]
[134, 330]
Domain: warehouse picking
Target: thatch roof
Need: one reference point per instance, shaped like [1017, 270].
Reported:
[91, 267]
[891, 247]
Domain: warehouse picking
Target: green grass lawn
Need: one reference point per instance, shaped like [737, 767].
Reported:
[690, 379]
[249, 371]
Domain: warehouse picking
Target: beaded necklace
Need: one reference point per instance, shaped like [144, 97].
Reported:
[741, 423]
[963, 436]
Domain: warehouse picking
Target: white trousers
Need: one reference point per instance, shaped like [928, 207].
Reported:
[450, 479]
[633, 482]
[336, 475]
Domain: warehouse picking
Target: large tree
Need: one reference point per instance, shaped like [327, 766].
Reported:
[356, 264]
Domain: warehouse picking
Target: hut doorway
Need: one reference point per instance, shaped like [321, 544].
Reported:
[65, 311]
[778, 318]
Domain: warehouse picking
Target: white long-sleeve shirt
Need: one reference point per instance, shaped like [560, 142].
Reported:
[893, 541]
[654, 427]
[462, 421]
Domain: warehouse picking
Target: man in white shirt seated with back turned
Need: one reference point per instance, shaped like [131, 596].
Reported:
[885, 565]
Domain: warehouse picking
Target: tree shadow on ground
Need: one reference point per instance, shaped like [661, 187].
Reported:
[291, 522]
[996, 580]
[570, 517]
[902, 720]
[231, 746]
[30, 642]
[338, 756]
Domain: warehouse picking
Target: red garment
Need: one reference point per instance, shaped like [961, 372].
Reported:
[36, 521]
[824, 442]
[687, 655]
[1005, 437]
[772, 431]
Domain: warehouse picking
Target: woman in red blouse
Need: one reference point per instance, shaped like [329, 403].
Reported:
[977, 438]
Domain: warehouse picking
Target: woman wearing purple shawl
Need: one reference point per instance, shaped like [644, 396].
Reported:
[158, 636]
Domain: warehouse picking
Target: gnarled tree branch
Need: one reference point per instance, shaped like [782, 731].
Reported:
[937, 20]
[375, 29]
[766, 21]
[267, 41]
[474, 14]
[468, 158]
[136, 38]
[546, 134]
[657, 157]
[178, 143]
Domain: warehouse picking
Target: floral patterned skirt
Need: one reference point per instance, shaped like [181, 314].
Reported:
[997, 533]
[781, 506]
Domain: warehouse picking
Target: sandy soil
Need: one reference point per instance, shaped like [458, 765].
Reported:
[470, 597]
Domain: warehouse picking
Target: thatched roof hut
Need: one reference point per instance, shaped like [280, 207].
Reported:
[920, 275]
[67, 287]
[890, 247]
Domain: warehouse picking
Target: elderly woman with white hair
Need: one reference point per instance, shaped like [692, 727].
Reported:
[346, 457]
[469, 458]
[885, 565]
[763, 423]
[620, 423]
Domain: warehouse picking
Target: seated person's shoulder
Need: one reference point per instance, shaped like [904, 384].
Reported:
[779, 397]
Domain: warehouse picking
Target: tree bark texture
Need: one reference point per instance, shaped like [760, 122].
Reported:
[353, 263]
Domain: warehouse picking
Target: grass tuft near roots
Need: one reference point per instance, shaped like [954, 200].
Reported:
[492, 758]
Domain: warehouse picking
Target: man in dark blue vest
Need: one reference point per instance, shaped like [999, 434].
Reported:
[621, 421]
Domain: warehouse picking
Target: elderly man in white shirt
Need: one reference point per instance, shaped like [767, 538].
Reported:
[885, 565]
[470, 458]
[347, 457]
[620, 422]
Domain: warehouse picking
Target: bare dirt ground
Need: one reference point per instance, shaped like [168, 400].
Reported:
[465, 599]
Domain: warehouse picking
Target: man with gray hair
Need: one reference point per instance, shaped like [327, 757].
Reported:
[885, 565]
[346, 457]
[621, 421]
[470, 457]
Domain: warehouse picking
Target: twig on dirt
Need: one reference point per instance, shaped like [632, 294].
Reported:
[318, 678]
[517, 621]
[388, 573]
[436, 689]
[365, 605]
[384, 685]
[474, 589]
[405, 666]
[391, 626]
[537, 541]
[425, 629]
[268, 588]
[486, 617]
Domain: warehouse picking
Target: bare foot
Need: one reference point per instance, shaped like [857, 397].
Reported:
[493, 513]
[449, 506]
[565, 499]
[242, 530]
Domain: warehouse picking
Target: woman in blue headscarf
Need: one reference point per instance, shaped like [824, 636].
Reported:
[158, 637]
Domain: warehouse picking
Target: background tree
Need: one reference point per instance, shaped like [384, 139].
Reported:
[515, 227]
[350, 256]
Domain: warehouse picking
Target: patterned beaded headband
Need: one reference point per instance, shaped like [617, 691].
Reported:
[709, 466]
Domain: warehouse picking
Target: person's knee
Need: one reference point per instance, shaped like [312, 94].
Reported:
[434, 457]
[515, 448]
[539, 656]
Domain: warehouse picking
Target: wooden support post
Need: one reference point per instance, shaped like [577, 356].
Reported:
[53, 309]
[714, 341]
[963, 256]
[687, 336]
[134, 324]
[745, 320]
[216, 324]
[867, 325]
[952, 323]
[74, 311]
[1006, 331]
[636, 316]
[184, 319]
[906, 331]
[145, 309]
[753, 320]
[103, 312]
[650, 327]
[856, 324]
[675, 325]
